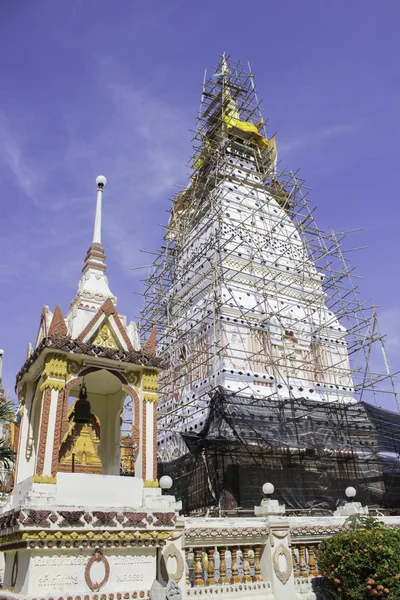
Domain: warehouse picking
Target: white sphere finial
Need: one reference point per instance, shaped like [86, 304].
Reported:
[268, 489]
[165, 482]
[101, 181]
[350, 492]
[1, 352]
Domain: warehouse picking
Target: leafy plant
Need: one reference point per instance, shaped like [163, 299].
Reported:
[363, 522]
[363, 562]
[7, 454]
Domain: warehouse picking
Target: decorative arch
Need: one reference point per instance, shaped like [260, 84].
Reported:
[135, 429]
[116, 374]
[61, 427]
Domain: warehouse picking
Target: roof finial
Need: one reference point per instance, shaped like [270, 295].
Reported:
[101, 182]
[1, 363]
[224, 65]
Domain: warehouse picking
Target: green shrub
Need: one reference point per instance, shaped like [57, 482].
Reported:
[362, 563]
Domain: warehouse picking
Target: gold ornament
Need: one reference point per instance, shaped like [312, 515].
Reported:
[54, 372]
[150, 380]
[44, 479]
[104, 338]
[150, 483]
[150, 397]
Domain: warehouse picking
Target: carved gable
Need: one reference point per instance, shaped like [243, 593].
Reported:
[104, 337]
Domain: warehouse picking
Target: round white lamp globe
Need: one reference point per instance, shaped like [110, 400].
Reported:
[350, 492]
[101, 180]
[268, 489]
[1, 352]
[165, 482]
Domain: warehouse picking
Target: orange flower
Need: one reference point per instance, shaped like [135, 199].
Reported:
[386, 590]
[368, 587]
[397, 576]
[336, 580]
[339, 589]
[380, 547]
[386, 566]
[371, 581]
[374, 592]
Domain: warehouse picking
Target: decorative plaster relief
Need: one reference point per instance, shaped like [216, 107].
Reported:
[171, 551]
[71, 518]
[54, 372]
[135, 519]
[150, 380]
[43, 431]
[14, 572]
[164, 519]
[104, 338]
[98, 557]
[49, 479]
[73, 367]
[55, 366]
[150, 397]
[220, 534]
[133, 377]
[54, 520]
[66, 344]
[150, 483]
[282, 574]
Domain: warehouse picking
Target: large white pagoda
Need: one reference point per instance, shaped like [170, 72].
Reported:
[245, 310]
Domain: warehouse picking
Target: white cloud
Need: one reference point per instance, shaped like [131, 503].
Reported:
[313, 138]
[12, 155]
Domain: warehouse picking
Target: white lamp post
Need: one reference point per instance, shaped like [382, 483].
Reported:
[350, 493]
[165, 482]
[269, 506]
[350, 507]
[268, 489]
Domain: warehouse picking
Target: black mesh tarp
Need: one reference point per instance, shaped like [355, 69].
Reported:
[311, 451]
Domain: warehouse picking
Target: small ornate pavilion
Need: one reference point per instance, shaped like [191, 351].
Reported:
[74, 523]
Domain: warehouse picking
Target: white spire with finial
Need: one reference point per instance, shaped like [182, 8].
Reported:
[93, 289]
[101, 182]
[1, 363]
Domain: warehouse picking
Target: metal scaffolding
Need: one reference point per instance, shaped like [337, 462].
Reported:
[243, 264]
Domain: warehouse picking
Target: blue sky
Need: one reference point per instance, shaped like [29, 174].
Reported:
[94, 86]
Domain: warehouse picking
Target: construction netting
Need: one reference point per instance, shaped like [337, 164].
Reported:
[310, 451]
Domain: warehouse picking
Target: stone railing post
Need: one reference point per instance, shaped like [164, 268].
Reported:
[276, 560]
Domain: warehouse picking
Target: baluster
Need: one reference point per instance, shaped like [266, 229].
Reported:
[311, 561]
[246, 565]
[295, 563]
[198, 568]
[204, 564]
[302, 561]
[257, 566]
[251, 563]
[316, 560]
[187, 566]
[222, 566]
[210, 567]
[235, 571]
